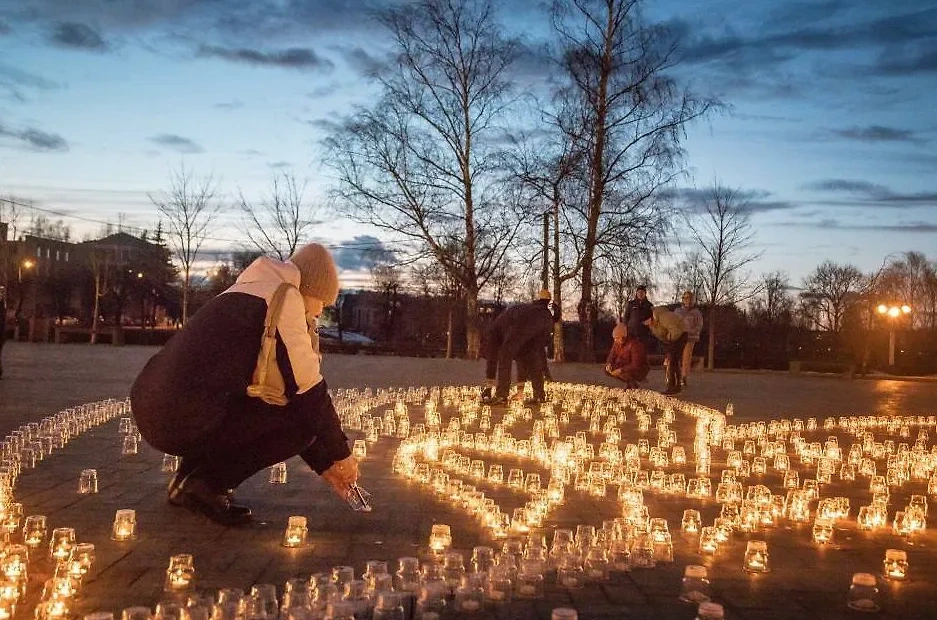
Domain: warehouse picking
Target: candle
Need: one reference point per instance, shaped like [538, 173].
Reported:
[181, 572]
[125, 522]
[896, 564]
[756, 556]
[295, 534]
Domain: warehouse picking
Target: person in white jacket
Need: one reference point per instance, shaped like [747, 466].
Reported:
[232, 396]
[693, 321]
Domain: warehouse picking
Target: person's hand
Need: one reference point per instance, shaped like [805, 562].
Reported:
[608, 368]
[341, 475]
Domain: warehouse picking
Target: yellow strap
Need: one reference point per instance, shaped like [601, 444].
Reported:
[272, 394]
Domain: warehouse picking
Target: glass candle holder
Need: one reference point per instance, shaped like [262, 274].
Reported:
[440, 538]
[81, 559]
[170, 463]
[863, 593]
[896, 564]
[695, 585]
[61, 543]
[295, 534]
[34, 531]
[360, 449]
[278, 473]
[14, 562]
[181, 573]
[823, 531]
[88, 481]
[756, 557]
[125, 525]
[130, 445]
[708, 543]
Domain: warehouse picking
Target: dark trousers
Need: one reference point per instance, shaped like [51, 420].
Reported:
[252, 437]
[529, 368]
[673, 352]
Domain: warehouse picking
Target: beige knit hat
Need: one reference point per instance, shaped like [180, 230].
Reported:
[620, 330]
[318, 275]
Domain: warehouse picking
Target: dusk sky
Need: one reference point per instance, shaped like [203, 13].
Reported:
[831, 132]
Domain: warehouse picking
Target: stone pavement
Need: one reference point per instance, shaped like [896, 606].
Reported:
[804, 583]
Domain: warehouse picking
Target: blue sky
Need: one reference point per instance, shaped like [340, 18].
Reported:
[831, 131]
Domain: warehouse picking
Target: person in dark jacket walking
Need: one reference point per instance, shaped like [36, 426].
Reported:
[238, 389]
[520, 334]
[637, 312]
[627, 359]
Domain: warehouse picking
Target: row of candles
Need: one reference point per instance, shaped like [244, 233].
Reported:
[21, 450]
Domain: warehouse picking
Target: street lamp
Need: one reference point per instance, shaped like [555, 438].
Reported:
[26, 264]
[893, 312]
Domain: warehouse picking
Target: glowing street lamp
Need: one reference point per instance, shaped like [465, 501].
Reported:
[893, 312]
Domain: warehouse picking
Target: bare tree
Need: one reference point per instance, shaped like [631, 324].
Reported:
[723, 234]
[912, 280]
[687, 275]
[189, 208]
[102, 261]
[422, 161]
[774, 303]
[620, 88]
[621, 279]
[280, 222]
[388, 282]
[829, 292]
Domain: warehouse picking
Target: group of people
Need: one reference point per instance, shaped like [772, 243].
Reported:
[678, 331]
[239, 388]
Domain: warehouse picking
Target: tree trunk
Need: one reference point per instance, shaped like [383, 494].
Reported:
[449, 330]
[559, 348]
[97, 309]
[586, 320]
[472, 337]
[711, 340]
[185, 297]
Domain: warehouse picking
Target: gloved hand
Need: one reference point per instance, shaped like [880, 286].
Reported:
[341, 475]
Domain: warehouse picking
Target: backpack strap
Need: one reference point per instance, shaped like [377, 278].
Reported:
[267, 383]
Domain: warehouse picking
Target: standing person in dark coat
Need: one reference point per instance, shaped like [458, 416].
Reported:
[637, 312]
[521, 334]
[232, 396]
[670, 330]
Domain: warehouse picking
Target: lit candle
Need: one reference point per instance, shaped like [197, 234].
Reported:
[756, 556]
[125, 523]
[896, 564]
[181, 572]
[295, 534]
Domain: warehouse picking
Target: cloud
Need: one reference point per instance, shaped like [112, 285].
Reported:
[278, 165]
[15, 82]
[229, 105]
[299, 58]
[325, 124]
[176, 143]
[921, 60]
[361, 61]
[919, 227]
[5, 28]
[326, 90]
[868, 194]
[77, 35]
[33, 139]
[877, 133]
[752, 201]
[362, 252]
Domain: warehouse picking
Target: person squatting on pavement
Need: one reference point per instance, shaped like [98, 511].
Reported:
[627, 359]
[693, 321]
[669, 329]
[239, 388]
[520, 333]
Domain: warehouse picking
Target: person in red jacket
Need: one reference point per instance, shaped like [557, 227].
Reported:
[627, 359]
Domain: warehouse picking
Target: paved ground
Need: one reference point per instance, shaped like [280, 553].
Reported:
[805, 583]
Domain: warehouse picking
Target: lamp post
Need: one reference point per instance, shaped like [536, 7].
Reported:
[26, 264]
[893, 312]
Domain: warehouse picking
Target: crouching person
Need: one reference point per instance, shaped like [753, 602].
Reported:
[239, 388]
[627, 359]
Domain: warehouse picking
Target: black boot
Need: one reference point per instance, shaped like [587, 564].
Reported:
[200, 497]
[486, 393]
